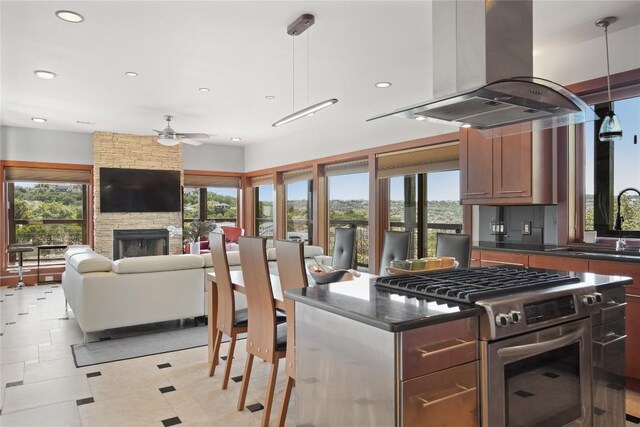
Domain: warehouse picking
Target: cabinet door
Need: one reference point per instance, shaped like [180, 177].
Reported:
[475, 165]
[493, 259]
[632, 366]
[512, 161]
[559, 263]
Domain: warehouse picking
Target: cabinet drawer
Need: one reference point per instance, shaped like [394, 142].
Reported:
[492, 259]
[445, 398]
[559, 263]
[475, 259]
[612, 307]
[437, 347]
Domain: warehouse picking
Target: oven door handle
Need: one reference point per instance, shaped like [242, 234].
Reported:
[541, 347]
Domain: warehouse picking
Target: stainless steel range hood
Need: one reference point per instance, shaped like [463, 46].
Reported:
[476, 42]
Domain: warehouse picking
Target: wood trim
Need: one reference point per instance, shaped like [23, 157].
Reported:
[248, 209]
[618, 80]
[320, 207]
[213, 173]
[280, 202]
[45, 165]
[378, 214]
[355, 155]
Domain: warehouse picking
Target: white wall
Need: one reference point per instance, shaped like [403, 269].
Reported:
[40, 145]
[213, 158]
[587, 60]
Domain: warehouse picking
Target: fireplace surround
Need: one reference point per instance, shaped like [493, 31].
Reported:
[140, 242]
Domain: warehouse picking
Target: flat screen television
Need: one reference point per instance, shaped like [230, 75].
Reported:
[139, 190]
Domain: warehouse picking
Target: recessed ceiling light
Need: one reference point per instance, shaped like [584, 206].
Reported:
[269, 97]
[131, 74]
[383, 84]
[465, 125]
[69, 16]
[45, 74]
[82, 122]
[204, 89]
[421, 118]
[236, 139]
[38, 119]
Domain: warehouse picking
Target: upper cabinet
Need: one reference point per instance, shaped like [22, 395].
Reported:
[506, 170]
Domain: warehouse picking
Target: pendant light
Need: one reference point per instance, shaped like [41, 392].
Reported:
[610, 129]
[297, 27]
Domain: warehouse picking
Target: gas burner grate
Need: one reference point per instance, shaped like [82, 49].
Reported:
[472, 284]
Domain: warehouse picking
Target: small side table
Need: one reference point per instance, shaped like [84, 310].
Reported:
[46, 248]
[20, 250]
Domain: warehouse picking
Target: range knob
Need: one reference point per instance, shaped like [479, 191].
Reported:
[589, 299]
[598, 296]
[515, 316]
[503, 319]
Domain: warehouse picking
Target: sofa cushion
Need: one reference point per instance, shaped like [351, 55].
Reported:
[312, 251]
[147, 264]
[90, 262]
[208, 259]
[233, 257]
[76, 249]
[231, 234]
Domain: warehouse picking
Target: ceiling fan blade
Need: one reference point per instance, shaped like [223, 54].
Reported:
[192, 135]
[158, 131]
[191, 142]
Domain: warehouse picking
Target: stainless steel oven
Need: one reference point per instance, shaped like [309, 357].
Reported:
[540, 378]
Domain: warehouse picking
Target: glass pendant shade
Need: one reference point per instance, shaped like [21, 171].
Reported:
[168, 141]
[610, 129]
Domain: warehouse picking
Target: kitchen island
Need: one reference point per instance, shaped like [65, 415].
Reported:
[369, 356]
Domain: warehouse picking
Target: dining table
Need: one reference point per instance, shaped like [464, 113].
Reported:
[238, 285]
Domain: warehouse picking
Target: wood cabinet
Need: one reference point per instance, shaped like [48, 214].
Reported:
[506, 169]
[632, 323]
[559, 263]
[494, 258]
[475, 259]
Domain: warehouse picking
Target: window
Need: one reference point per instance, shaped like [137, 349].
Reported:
[210, 198]
[46, 213]
[611, 167]
[265, 212]
[348, 197]
[425, 204]
[299, 211]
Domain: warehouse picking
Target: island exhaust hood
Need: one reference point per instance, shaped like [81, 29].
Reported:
[482, 68]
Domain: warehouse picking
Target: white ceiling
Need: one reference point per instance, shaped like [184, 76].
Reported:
[240, 50]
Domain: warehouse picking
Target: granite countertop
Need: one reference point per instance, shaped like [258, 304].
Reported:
[562, 251]
[363, 302]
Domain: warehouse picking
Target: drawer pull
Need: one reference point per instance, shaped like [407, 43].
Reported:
[462, 390]
[604, 344]
[612, 306]
[479, 193]
[425, 353]
[511, 191]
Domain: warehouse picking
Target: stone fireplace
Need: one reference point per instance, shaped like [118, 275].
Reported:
[115, 150]
[140, 242]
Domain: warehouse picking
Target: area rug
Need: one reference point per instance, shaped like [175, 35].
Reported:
[111, 350]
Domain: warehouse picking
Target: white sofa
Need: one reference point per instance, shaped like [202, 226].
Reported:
[104, 294]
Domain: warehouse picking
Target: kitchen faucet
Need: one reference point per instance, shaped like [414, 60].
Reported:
[621, 243]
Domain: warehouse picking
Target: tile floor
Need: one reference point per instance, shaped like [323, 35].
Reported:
[40, 385]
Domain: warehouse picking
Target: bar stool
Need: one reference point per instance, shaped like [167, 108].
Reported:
[293, 274]
[20, 249]
[265, 338]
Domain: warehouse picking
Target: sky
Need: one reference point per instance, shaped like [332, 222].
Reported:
[626, 153]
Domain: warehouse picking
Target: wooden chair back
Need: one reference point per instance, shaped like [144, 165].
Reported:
[293, 274]
[261, 333]
[226, 301]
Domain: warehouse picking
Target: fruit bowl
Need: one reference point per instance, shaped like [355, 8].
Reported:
[324, 277]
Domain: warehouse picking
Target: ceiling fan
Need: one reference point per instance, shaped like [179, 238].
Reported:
[169, 137]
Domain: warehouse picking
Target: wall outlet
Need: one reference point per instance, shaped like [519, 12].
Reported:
[526, 228]
[48, 278]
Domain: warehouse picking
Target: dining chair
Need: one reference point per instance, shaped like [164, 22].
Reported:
[266, 338]
[395, 248]
[344, 248]
[293, 274]
[454, 245]
[230, 321]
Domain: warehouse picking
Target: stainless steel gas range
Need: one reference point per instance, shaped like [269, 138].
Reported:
[536, 357]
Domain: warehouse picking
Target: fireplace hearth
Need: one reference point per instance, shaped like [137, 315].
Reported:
[140, 242]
